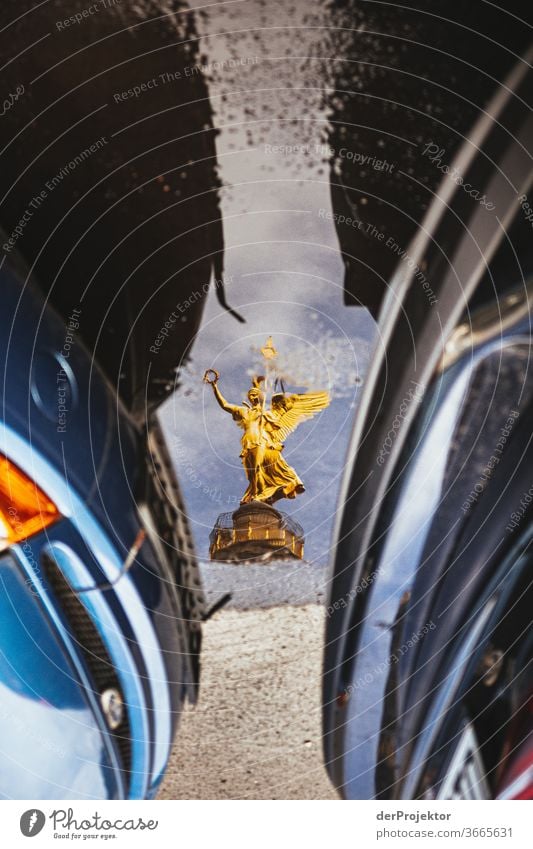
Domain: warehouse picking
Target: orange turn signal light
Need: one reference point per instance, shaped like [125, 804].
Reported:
[24, 508]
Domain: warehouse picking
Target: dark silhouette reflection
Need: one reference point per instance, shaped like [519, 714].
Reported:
[414, 86]
[109, 178]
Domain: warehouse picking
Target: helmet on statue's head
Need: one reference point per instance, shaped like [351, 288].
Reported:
[256, 394]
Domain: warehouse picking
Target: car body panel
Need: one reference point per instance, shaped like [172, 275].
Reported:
[54, 748]
[113, 599]
[455, 244]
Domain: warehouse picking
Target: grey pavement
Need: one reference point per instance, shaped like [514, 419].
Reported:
[259, 586]
[256, 731]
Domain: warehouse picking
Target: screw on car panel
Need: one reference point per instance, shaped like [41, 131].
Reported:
[113, 707]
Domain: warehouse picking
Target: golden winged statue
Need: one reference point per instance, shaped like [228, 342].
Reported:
[269, 476]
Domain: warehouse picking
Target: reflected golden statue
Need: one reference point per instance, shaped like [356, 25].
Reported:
[269, 476]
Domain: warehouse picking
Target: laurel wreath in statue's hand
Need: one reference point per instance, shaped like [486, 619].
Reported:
[211, 376]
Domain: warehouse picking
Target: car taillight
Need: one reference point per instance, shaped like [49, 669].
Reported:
[24, 508]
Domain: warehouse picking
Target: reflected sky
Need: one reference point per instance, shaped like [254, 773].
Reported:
[283, 269]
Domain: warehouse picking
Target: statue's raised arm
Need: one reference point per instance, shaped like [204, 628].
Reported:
[212, 376]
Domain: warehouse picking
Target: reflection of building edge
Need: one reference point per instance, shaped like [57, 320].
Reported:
[256, 531]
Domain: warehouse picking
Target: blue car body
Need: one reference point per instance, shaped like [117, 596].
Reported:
[104, 599]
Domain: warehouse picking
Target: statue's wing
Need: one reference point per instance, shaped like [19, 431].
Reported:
[298, 408]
